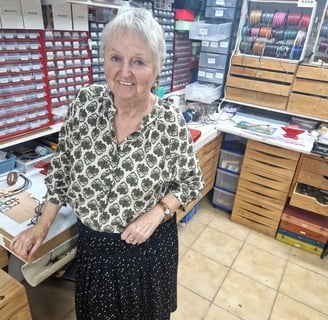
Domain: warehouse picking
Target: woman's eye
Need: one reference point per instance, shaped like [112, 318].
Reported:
[115, 59]
[139, 62]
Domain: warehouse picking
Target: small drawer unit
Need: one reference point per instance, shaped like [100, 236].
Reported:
[263, 186]
[303, 229]
[227, 174]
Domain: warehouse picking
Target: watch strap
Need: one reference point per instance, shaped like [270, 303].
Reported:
[166, 209]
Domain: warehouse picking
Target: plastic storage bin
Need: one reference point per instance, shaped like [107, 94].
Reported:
[190, 214]
[215, 46]
[230, 161]
[212, 60]
[223, 199]
[203, 92]
[200, 30]
[210, 75]
[226, 180]
[224, 3]
[7, 164]
[220, 12]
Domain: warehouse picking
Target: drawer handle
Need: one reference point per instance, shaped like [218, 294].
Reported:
[326, 177]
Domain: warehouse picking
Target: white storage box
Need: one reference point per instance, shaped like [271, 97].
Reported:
[210, 75]
[223, 199]
[212, 60]
[230, 161]
[200, 30]
[216, 46]
[226, 180]
[203, 92]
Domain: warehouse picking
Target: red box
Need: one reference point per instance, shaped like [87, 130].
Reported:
[183, 14]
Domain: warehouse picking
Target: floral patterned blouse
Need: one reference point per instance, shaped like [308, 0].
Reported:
[110, 184]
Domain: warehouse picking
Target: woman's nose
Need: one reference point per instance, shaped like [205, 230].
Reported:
[125, 70]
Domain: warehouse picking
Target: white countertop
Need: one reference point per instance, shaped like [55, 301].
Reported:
[303, 143]
[208, 133]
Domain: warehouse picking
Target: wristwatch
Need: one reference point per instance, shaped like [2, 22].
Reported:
[167, 211]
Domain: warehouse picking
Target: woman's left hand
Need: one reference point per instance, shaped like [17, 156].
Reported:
[143, 227]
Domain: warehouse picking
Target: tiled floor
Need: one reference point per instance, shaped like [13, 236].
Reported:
[226, 272]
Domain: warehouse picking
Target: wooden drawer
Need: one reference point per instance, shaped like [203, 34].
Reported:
[314, 172]
[308, 94]
[313, 179]
[263, 186]
[257, 80]
[256, 193]
[208, 156]
[14, 303]
[271, 159]
[308, 203]
[3, 257]
[299, 244]
[209, 151]
[308, 221]
[312, 164]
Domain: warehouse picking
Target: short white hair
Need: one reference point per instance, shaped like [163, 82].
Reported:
[142, 22]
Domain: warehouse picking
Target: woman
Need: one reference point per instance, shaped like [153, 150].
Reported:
[125, 163]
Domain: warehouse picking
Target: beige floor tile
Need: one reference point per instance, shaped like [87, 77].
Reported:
[223, 223]
[309, 260]
[205, 213]
[287, 308]
[201, 274]
[218, 246]
[267, 243]
[53, 299]
[189, 233]
[182, 250]
[245, 298]
[217, 313]
[190, 306]
[305, 286]
[260, 265]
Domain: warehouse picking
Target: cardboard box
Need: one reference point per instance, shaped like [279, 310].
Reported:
[32, 14]
[11, 14]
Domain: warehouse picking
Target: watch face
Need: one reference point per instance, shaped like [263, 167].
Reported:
[167, 211]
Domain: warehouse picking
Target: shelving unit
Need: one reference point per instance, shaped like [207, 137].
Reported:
[275, 29]
[166, 19]
[24, 102]
[97, 61]
[68, 68]
[320, 54]
[217, 36]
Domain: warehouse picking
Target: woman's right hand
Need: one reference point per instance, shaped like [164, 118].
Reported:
[28, 242]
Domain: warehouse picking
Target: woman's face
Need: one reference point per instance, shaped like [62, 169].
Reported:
[130, 67]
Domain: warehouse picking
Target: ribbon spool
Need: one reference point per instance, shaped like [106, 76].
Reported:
[12, 178]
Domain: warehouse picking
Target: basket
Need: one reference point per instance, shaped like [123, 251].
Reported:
[7, 164]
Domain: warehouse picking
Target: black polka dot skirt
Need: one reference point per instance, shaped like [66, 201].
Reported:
[120, 281]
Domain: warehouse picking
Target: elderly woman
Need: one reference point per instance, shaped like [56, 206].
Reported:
[125, 163]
